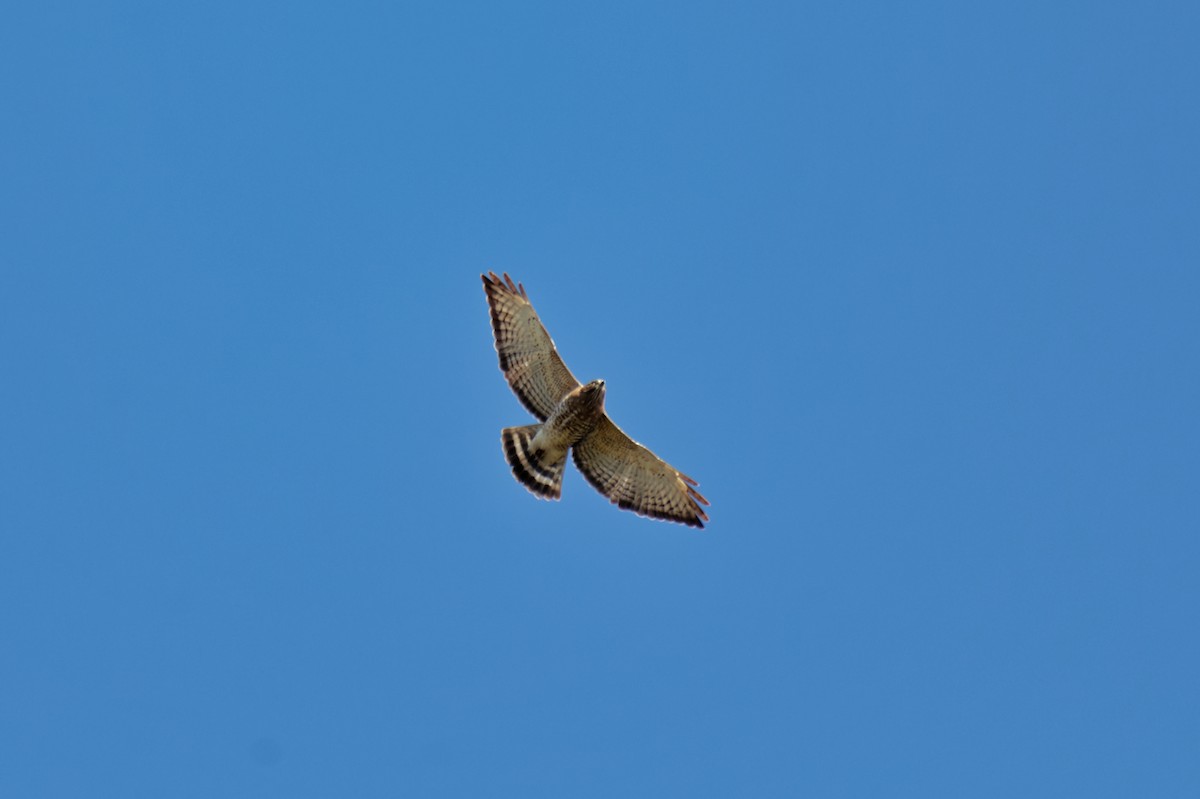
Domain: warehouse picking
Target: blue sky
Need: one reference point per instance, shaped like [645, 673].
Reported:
[911, 289]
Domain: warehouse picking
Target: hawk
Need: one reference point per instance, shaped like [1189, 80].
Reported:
[571, 417]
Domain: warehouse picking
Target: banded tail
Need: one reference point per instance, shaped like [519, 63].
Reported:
[529, 464]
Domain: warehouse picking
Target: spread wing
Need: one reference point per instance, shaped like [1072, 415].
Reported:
[528, 358]
[635, 478]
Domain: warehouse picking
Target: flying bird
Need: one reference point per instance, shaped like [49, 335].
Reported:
[571, 417]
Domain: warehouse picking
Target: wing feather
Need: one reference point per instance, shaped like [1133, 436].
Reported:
[528, 358]
[636, 479]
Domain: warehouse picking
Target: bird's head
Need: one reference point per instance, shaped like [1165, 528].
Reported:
[594, 391]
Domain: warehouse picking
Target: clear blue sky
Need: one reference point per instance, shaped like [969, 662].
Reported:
[912, 289]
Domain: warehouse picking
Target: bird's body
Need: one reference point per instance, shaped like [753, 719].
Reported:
[538, 452]
[573, 420]
[576, 416]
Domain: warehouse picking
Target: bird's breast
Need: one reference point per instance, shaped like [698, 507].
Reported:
[573, 419]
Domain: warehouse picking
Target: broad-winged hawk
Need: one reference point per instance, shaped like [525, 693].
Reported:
[571, 417]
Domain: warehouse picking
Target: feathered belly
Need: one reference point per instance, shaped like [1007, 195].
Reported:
[573, 419]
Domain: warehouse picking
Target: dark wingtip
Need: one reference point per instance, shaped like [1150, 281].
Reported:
[494, 282]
